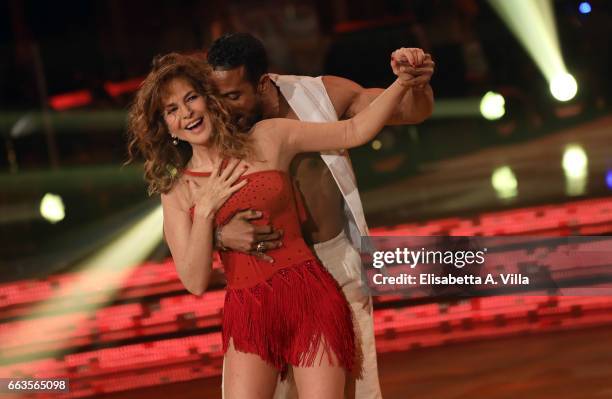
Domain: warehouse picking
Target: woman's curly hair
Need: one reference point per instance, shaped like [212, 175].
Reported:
[148, 133]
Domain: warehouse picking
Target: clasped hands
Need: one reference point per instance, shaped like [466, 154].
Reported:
[413, 67]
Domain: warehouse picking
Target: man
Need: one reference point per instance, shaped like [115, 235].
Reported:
[325, 182]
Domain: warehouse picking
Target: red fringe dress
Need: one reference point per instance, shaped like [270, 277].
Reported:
[281, 311]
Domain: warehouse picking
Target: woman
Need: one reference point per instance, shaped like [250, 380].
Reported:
[287, 312]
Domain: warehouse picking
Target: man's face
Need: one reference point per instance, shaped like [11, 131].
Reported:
[240, 94]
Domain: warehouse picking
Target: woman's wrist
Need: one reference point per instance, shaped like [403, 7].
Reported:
[203, 212]
[405, 84]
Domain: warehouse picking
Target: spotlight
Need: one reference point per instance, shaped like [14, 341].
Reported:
[52, 208]
[563, 87]
[584, 7]
[533, 23]
[131, 247]
[575, 161]
[377, 144]
[609, 179]
[504, 182]
[575, 165]
[492, 106]
[119, 257]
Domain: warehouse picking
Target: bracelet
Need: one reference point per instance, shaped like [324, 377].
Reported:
[217, 241]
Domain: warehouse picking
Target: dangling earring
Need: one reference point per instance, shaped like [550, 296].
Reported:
[174, 140]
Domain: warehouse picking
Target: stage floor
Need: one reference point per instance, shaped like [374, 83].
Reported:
[567, 365]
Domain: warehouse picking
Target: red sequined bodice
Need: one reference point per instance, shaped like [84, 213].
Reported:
[271, 192]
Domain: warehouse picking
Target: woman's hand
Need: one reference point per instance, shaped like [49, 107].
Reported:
[413, 67]
[211, 195]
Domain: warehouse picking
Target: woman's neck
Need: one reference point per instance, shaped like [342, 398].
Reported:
[202, 158]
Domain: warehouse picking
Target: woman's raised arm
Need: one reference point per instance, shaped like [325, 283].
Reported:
[300, 136]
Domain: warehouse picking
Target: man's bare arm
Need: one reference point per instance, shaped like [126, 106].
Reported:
[349, 98]
[412, 66]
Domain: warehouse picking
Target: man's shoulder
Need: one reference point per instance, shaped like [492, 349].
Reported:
[338, 82]
[329, 81]
[276, 78]
[341, 91]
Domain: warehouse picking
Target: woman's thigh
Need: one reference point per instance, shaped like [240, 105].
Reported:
[324, 380]
[246, 375]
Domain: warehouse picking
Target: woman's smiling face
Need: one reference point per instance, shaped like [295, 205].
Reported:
[185, 112]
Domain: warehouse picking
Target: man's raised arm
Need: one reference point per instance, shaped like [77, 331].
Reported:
[409, 64]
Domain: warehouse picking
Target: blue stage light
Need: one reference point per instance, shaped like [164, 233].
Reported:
[609, 179]
[584, 7]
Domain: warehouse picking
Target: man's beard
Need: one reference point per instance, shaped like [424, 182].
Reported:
[245, 122]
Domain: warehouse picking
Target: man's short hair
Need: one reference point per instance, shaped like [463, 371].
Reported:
[234, 50]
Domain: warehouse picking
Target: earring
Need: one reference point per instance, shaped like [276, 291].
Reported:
[174, 140]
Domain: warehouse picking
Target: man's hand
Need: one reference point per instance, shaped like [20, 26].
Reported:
[412, 66]
[239, 234]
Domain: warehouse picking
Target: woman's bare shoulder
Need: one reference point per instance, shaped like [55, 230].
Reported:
[273, 124]
[179, 195]
[271, 128]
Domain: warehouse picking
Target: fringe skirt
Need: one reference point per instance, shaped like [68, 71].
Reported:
[287, 318]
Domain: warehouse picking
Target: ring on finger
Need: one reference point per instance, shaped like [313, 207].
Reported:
[261, 247]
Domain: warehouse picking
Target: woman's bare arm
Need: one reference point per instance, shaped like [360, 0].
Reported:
[297, 136]
[191, 243]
